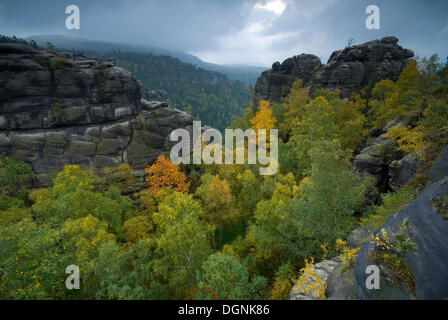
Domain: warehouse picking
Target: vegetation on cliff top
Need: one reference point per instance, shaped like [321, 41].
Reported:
[227, 233]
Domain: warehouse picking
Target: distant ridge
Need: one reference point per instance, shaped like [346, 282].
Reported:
[247, 74]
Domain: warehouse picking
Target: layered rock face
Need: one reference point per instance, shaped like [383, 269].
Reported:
[57, 110]
[347, 70]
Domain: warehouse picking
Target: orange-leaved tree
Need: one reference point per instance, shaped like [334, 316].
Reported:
[164, 174]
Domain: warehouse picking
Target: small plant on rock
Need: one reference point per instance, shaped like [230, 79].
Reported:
[441, 204]
[392, 254]
[348, 256]
[310, 283]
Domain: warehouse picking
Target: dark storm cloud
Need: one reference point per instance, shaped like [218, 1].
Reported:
[175, 24]
[237, 31]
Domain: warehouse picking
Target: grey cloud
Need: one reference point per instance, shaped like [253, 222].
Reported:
[208, 28]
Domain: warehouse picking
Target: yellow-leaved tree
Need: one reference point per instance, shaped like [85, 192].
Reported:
[263, 119]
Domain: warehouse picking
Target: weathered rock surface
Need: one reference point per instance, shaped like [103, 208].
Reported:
[402, 171]
[374, 160]
[55, 111]
[275, 83]
[359, 237]
[354, 67]
[322, 270]
[341, 284]
[440, 168]
[428, 264]
[347, 70]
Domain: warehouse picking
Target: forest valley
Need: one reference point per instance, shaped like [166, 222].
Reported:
[222, 231]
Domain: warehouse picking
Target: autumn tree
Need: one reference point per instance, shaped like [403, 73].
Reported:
[217, 201]
[295, 104]
[263, 120]
[165, 174]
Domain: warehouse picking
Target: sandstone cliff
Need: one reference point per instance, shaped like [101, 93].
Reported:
[347, 70]
[59, 109]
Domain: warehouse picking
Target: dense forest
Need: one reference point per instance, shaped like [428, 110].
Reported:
[219, 231]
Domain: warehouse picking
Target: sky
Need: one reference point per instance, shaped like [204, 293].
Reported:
[249, 32]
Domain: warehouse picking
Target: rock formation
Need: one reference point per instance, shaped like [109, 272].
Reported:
[347, 70]
[56, 109]
[423, 223]
[428, 263]
[275, 84]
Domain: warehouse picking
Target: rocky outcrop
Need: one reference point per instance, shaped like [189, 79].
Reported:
[375, 158]
[440, 168]
[355, 67]
[275, 84]
[402, 171]
[379, 160]
[319, 273]
[427, 228]
[56, 109]
[347, 70]
[420, 225]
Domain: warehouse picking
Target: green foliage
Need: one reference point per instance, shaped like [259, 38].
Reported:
[14, 175]
[391, 203]
[211, 96]
[441, 204]
[284, 280]
[121, 177]
[30, 264]
[183, 242]
[223, 277]
[392, 253]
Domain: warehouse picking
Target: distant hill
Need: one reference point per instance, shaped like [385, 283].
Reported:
[247, 74]
[208, 95]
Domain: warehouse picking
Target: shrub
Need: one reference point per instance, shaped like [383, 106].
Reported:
[14, 175]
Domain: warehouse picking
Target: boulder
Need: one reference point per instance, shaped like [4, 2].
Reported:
[402, 171]
[429, 231]
[374, 159]
[341, 284]
[440, 168]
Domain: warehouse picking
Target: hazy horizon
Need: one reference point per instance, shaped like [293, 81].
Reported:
[236, 32]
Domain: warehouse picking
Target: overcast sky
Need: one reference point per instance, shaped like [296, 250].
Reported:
[254, 32]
